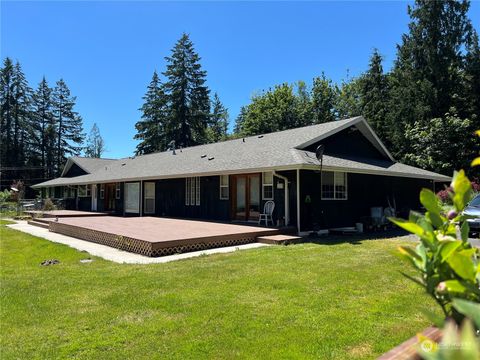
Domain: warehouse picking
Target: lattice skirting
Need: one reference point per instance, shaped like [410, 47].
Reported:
[144, 247]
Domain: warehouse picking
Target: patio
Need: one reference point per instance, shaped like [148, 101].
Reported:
[152, 236]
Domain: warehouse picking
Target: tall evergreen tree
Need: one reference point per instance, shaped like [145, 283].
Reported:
[324, 94]
[22, 94]
[189, 103]
[151, 128]
[43, 131]
[95, 146]
[374, 98]
[68, 125]
[6, 111]
[430, 58]
[472, 79]
[218, 126]
[348, 100]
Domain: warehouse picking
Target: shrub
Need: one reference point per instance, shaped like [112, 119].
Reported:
[447, 264]
[48, 205]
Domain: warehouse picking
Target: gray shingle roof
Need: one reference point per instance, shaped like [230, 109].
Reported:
[255, 153]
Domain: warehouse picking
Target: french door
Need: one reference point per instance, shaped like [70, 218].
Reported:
[246, 197]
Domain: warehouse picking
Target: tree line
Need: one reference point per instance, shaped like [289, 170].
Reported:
[39, 129]
[425, 109]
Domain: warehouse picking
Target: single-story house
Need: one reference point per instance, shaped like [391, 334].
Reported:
[232, 180]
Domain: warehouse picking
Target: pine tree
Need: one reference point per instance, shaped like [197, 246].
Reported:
[6, 111]
[472, 79]
[374, 98]
[151, 129]
[68, 125]
[324, 94]
[22, 94]
[189, 103]
[218, 127]
[43, 131]
[95, 146]
[348, 101]
[430, 58]
[239, 121]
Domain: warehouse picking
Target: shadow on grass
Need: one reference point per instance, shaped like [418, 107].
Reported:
[355, 239]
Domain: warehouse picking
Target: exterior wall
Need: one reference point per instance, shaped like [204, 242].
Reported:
[349, 144]
[170, 200]
[363, 192]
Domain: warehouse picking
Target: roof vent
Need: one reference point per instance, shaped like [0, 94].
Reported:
[243, 139]
[124, 164]
[211, 158]
[203, 156]
[260, 136]
[171, 146]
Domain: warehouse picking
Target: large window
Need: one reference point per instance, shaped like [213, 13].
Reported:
[84, 191]
[102, 191]
[192, 191]
[224, 187]
[267, 185]
[334, 185]
[132, 197]
[149, 198]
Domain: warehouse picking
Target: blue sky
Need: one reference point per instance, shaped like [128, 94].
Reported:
[107, 51]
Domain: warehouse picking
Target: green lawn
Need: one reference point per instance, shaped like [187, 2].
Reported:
[301, 301]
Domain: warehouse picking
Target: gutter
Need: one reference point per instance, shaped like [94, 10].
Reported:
[287, 210]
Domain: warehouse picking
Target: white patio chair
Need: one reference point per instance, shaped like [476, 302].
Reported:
[267, 213]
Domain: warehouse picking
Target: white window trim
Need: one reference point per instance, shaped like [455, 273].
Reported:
[334, 191]
[145, 198]
[117, 191]
[192, 191]
[225, 186]
[264, 185]
[135, 210]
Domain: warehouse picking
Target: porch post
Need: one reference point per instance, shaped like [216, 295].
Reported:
[298, 200]
[141, 198]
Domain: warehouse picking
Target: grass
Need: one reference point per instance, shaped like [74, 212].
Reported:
[303, 301]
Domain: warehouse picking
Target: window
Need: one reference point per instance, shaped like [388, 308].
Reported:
[192, 191]
[149, 198]
[102, 191]
[67, 192]
[117, 191]
[83, 190]
[224, 187]
[88, 190]
[132, 197]
[267, 185]
[334, 185]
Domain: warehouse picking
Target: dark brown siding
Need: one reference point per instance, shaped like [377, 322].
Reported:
[364, 192]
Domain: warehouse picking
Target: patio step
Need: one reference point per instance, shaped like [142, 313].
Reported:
[279, 239]
[41, 220]
[38, 223]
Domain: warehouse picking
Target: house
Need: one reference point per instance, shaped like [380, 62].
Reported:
[231, 180]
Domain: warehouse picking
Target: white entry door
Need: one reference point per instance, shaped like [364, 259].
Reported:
[94, 197]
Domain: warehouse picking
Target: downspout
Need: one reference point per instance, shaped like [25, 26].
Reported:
[298, 200]
[287, 209]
